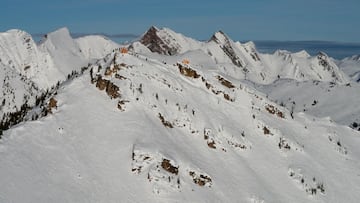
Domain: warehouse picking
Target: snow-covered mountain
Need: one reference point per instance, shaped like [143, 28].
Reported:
[175, 132]
[321, 99]
[29, 69]
[70, 54]
[252, 65]
[351, 66]
[177, 120]
[168, 42]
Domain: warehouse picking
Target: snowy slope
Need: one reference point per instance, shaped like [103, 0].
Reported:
[321, 99]
[70, 54]
[16, 90]
[20, 52]
[302, 67]
[174, 132]
[351, 66]
[27, 70]
[95, 46]
[56, 57]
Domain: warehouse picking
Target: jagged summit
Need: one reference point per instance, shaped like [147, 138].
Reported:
[226, 44]
[155, 43]
[219, 37]
[166, 41]
[252, 65]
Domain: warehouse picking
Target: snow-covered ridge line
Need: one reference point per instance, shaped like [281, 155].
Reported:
[255, 66]
[27, 69]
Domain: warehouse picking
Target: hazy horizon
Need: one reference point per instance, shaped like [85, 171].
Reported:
[324, 20]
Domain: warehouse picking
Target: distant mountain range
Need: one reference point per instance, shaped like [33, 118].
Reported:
[337, 50]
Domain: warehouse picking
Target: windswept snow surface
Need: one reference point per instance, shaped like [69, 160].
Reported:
[173, 135]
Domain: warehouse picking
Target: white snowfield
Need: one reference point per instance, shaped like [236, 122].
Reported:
[22, 62]
[351, 66]
[186, 127]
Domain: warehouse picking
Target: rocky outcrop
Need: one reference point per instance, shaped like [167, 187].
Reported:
[52, 104]
[188, 71]
[111, 89]
[156, 44]
[225, 82]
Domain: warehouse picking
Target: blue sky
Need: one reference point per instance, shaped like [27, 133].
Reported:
[329, 20]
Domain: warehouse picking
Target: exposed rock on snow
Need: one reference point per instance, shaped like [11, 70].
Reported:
[227, 124]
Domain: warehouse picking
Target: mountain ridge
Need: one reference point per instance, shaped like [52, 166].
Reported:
[177, 122]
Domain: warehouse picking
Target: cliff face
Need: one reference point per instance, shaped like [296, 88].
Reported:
[156, 44]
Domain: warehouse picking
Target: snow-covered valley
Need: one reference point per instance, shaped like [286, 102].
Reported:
[171, 119]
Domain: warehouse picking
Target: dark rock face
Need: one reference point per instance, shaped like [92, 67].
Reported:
[228, 49]
[355, 58]
[111, 89]
[156, 44]
[188, 71]
[323, 60]
[165, 164]
[52, 104]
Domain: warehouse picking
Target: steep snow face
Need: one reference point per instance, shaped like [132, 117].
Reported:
[168, 42]
[56, 57]
[28, 69]
[22, 68]
[64, 51]
[16, 90]
[351, 66]
[173, 132]
[227, 46]
[95, 47]
[20, 52]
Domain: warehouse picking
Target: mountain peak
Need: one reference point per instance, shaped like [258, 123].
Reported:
[219, 37]
[153, 28]
[62, 32]
[167, 42]
[155, 43]
[250, 44]
[302, 54]
[322, 55]
[356, 58]
[228, 46]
